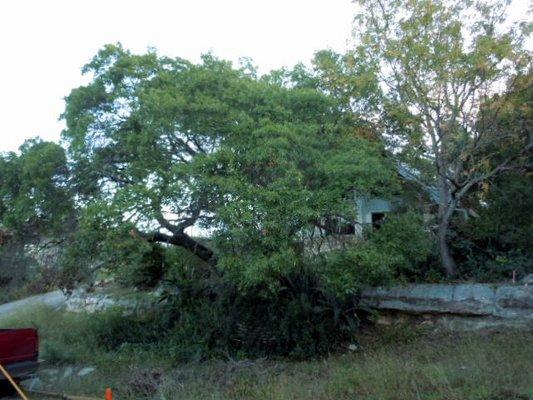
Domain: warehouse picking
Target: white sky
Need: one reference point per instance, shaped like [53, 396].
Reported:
[44, 43]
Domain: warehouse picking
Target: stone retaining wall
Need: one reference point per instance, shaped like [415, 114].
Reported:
[457, 307]
[97, 301]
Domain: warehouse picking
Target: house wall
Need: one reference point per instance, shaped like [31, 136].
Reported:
[367, 206]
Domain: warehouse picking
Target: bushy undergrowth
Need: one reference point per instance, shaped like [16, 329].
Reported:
[207, 321]
[397, 252]
[299, 320]
[498, 242]
[306, 311]
[21, 274]
[493, 253]
[390, 363]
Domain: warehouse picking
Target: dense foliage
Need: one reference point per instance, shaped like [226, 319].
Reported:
[163, 146]
[36, 213]
[498, 241]
[35, 198]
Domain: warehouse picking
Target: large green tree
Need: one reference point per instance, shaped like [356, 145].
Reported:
[170, 146]
[438, 62]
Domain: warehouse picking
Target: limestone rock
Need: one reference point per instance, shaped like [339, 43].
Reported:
[456, 306]
[86, 371]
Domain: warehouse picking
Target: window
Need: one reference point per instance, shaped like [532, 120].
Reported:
[377, 219]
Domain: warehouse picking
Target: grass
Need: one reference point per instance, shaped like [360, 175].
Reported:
[390, 363]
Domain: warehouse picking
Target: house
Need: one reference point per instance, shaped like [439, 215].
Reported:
[370, 212]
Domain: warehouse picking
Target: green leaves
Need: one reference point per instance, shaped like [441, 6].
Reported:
[394, 252]
[35, 198]
[172, 145]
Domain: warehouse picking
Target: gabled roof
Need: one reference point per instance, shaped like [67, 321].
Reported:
[413, 175]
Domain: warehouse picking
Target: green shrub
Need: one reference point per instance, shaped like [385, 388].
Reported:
[398, 251]
[496, 243]
[493, 266]
[304, 310]
[147, 271]
[301, 319]
[406, 240]
[347, 271]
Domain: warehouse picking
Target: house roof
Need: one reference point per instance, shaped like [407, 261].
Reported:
[413, 175]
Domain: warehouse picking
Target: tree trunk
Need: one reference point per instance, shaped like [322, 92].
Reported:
[446, 208]
[444, 250]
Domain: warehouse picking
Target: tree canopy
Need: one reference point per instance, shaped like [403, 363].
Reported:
[35, 198]
[169, 146]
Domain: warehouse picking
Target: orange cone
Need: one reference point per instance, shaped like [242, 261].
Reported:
[108, 394]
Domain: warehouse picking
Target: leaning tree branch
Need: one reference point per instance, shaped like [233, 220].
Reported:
[185, 241]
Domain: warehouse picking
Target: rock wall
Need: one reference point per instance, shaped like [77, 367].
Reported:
[456, 307]
[98, 300]
[91, 303]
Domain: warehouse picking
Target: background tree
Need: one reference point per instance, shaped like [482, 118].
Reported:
[35, 199]
[498, 241]
[36, 208]
[438, 62]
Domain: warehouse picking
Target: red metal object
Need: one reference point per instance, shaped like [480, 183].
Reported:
[19, 351]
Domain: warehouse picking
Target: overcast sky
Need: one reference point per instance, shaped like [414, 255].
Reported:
[44, 43]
